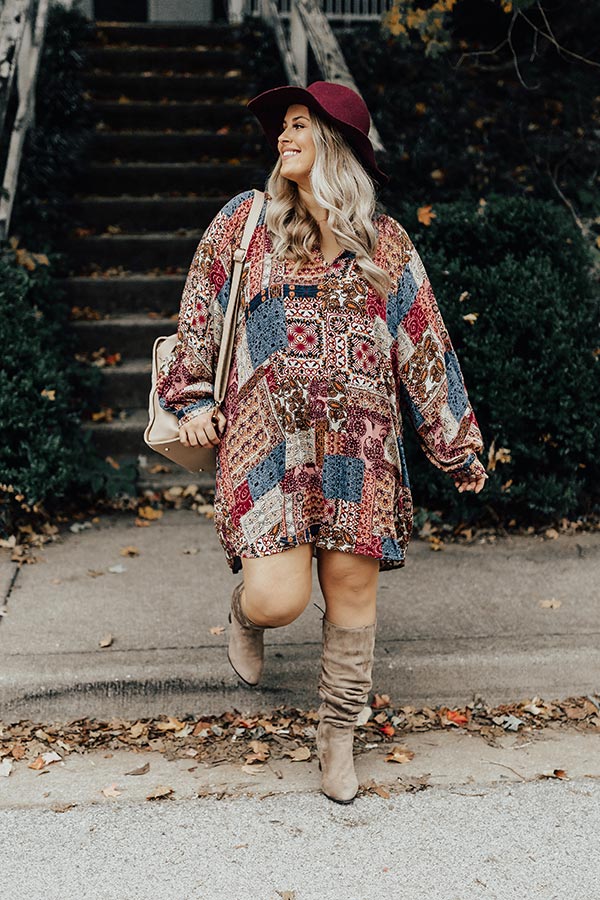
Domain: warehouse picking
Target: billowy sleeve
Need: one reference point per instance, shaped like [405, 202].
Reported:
[185, 381]
[431, 387]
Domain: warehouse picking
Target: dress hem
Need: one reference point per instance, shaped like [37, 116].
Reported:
[386, 563]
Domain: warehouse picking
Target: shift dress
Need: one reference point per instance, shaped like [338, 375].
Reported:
[323, 370]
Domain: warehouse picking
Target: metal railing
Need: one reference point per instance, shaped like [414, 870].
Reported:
[298, 24]
[343, 10]
[22, 30]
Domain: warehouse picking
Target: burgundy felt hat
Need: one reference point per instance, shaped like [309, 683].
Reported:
[336, 103]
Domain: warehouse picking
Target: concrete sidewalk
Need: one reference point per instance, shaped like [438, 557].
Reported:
[453, 625]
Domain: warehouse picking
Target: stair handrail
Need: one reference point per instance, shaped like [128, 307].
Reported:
[308, 26]
[22, 31]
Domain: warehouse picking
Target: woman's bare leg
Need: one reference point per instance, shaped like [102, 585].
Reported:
[349, 585]
[277, 588]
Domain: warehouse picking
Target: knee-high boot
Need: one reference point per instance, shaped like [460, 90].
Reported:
[246, 650]
[344, 685]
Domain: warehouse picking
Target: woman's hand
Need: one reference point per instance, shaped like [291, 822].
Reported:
[474, 484]
[200, 432]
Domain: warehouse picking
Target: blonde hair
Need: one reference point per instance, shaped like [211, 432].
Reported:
[341, 185]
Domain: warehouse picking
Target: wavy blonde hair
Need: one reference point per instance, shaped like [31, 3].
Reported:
[341, 185]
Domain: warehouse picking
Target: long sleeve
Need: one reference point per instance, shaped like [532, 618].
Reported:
[185, 382]
[431, 386]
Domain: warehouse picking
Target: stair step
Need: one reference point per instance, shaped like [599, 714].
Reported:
[159, 482]
[130, 335]
[206, 179]
[171, 87]
[149, 483]
[161, 59]
[135, 252]
[178, 146]
[137, 213]
[127, 385]
[126, 436]
[166, 34]
[136, 293]
[158, 116]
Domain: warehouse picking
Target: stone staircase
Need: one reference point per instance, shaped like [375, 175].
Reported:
[174, 142]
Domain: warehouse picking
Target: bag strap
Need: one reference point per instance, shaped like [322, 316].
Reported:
[227, 338]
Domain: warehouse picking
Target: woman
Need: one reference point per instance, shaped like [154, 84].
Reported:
[338, 331]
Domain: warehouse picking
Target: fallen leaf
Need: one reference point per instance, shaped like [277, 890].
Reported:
[148, 512]
[425, 215]
[301, 754]
[217, 629]
[373, 788]
[131, 550]
[456, 717]
[111, 791]
[140, 771]
[106, 641]
[556, 773]
[380, 701]
[550, 604]
[399, 754]
[159, 792]
[501, 455]
[62, 807]
[171, 724]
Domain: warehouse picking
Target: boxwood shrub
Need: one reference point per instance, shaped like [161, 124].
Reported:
[531, 358]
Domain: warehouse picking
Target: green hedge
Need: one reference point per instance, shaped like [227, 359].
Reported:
[47, 460]
[531, 359]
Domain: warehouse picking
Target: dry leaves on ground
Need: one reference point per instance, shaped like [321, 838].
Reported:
[286, 732]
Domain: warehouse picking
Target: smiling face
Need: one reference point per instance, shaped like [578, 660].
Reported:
[296, 145]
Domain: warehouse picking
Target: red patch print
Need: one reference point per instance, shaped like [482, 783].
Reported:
[415, 321]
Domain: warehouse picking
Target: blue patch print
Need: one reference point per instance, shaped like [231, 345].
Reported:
[223, 295]
[399, 303]
[267, 473]
[457, 397]
[231, 205]
[390, 549]
[266, 330]
[343, 477]
[415, 415]
[403, 466]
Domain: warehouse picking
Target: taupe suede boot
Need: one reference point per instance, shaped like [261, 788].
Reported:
[344, 685]
[246, 650]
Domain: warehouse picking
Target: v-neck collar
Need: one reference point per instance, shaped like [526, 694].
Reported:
[316, 252]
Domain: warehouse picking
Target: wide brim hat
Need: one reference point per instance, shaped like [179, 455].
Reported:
[336, 103]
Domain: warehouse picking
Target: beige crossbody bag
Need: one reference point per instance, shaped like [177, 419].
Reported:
[162, 431]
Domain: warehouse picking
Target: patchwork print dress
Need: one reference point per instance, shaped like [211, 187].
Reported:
[323, 369]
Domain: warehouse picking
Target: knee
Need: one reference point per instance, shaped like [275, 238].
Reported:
[276, 605]
[351, 580]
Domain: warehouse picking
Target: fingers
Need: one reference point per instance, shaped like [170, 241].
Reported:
[200, 431]
[475, 485]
